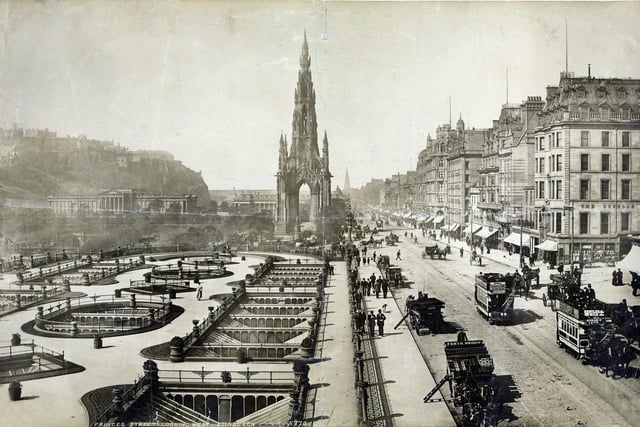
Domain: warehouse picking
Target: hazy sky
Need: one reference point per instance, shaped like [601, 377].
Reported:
[213, 81]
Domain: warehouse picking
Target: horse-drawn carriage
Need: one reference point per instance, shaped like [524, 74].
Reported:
[424, 314]
[394, 276]
[470, 374]
[391, 239]
[494, 295]
[434, 252]
[475, 258]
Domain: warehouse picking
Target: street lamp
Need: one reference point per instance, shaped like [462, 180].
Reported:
[570, 209]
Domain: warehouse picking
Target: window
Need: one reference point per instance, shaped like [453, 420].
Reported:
[541, 189]
[626, 189]
[584, 162]
[584, 222]
[584, 138]
[626, 162]
[541, 164]
[559, 162]
[604, 189]
[605, 162]
[542, 143]
[625, 139]
[558, 222]
[605, 138]
[559, 189]
[584, 189]
[604, 223]
[625, 221]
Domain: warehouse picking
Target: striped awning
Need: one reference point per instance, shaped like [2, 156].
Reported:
[516, 238]
[487, 232]
[476, 227]
[548, 245]
[438, 219]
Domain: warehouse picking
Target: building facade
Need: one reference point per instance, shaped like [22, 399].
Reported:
[587, 157]
[120, 202]
[506, 178]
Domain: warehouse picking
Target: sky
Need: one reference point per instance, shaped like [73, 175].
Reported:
[213, 82]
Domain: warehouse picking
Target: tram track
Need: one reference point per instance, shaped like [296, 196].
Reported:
[576, 394]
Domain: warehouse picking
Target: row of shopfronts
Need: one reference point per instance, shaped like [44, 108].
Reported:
[552, 250]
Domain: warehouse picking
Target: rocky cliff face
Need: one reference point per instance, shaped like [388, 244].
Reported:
[33, 167]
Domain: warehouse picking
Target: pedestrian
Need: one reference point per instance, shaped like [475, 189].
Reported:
[380, 318]
[461, 252]
[385, 288]
[398, 255]
[527, 286]
[199, 291]
[358, 300]
[591, 293]
[614, 278]
[620, 283]
[635, 283]
[378, 286]
[561, 268]
[481, 249]
[374, 257]
[371, 318]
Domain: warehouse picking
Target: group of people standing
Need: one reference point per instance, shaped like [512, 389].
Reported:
[372, 320]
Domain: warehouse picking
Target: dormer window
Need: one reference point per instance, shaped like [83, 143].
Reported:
[602, 93]
[582, 93]
[621, 93]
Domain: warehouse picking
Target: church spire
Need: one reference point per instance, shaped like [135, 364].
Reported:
[305, 60]
[347, 184]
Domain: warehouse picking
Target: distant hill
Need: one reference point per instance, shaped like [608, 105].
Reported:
[35, 164]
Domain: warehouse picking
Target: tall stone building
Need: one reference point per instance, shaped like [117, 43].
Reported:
[587, 184]
[506, 178]
[463, 160]
[446, 171]
[302, 163]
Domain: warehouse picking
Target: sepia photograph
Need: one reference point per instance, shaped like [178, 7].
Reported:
[319, 213]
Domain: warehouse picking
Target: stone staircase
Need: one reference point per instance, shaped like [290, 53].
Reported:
[163, 410]
[273, 415]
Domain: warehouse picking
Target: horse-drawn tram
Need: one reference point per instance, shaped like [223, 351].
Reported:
[494, 295]
[577, 321]
[470, 374]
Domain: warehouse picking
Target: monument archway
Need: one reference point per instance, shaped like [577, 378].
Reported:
[301, 164]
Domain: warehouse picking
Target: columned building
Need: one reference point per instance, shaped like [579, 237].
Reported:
[120, 202]
[587, 184]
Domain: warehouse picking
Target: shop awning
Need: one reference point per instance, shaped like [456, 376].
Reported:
[454, 227]
[548, 245]
[445, 227]
[429, 219]
[438, 219]
[476, 228]
[514, 239]
[487, 232]
[421, 218]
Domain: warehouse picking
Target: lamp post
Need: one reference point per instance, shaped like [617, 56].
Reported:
[521, 236]
[570, 209]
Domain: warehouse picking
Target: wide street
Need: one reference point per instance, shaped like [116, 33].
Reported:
[537, 381]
